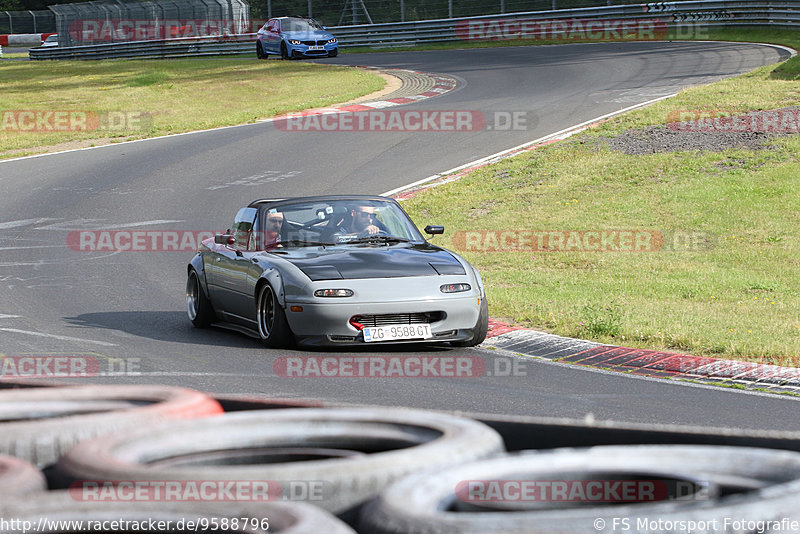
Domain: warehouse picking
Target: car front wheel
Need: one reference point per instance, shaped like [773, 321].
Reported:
[198, 307]
[273, 329]
[285, 52]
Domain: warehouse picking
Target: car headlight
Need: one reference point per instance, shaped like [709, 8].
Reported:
[294, 41]
[331, 41]
[333, 293]
[454, 288]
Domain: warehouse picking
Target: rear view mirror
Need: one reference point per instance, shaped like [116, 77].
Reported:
[434, 229]
[224, 239]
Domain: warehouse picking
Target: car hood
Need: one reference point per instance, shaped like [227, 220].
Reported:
[352, 262]
[318, 35]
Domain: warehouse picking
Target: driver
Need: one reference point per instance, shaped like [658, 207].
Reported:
[363, 221]
[272, 231]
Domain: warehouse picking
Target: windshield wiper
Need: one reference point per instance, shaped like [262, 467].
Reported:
[301, 243]
[378, 238]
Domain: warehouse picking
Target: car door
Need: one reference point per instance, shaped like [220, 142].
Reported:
[272, 38]
[230, 269]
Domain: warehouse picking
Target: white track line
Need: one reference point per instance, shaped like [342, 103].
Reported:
[62, 338]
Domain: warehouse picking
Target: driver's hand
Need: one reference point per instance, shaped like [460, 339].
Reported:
[372, 229]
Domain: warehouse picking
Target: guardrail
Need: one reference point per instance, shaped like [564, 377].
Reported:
[168, 48]
[706, 13]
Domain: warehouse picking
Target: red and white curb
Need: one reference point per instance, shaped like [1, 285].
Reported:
[643, 362]
[23, 39]
[443, 85]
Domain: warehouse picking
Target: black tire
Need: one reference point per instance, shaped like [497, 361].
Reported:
[273, 328]
[481, 328]
[285, 52]
[260, 54]
[762, 481]
[375, 447]
[198, 307]
[40, 424]
[18, 477]
[261, 517]
[334, 53]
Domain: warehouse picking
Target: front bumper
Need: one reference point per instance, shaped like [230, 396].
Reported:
[327, 324]
[302, 50]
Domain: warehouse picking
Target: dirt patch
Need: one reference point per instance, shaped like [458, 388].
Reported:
[661, 139]
[752, 131]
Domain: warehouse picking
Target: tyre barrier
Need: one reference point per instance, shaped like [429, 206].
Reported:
[23, 39]
[725, 482]
[336, 458]
[57, 512]
[40, 424]
[19, 477]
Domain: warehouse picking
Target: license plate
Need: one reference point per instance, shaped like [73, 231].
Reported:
[397, 331]
[316, 47]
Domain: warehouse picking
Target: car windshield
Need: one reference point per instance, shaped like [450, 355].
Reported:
[300, 25]
[342, 222]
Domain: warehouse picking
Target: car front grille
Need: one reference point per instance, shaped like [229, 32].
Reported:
[312, 43]
[398, 318]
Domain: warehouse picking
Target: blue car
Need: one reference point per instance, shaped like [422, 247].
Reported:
[295, 37]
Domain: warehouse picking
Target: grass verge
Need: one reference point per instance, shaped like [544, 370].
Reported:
[735, 293]
[147, 98]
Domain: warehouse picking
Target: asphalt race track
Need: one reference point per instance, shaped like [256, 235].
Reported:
[130, 305]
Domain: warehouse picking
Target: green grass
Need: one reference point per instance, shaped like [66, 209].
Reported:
[733, 293]
[169, 96]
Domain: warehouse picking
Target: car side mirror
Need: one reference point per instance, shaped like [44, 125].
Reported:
[434, 229]
[224, 239]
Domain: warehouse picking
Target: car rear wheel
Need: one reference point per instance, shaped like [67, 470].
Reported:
[260, 51]
[198, 307]
[481, 327]
[285, 52]
[272, 325]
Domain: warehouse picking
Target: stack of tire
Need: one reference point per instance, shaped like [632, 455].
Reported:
[380, 470]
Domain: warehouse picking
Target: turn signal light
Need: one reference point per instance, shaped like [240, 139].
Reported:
[455, 288]
[333, 293]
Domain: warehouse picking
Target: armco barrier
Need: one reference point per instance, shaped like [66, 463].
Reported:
[181, 47]
[708, 13]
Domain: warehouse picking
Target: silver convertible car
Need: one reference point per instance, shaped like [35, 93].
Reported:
[335, 270]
